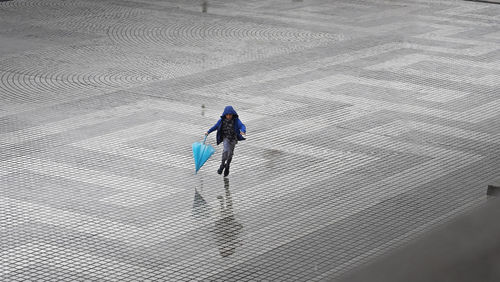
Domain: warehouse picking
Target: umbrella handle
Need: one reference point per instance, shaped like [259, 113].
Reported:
[199, 157]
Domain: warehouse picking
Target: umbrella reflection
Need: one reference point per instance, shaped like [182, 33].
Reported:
[227, 229]
[201, 209]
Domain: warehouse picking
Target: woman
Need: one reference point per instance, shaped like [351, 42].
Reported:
[230, 130]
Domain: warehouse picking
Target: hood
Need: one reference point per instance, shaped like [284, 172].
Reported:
[229, 110]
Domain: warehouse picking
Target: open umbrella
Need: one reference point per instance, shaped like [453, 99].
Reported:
[201, 153]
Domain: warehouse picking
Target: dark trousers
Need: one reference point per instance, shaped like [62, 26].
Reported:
[227, 153]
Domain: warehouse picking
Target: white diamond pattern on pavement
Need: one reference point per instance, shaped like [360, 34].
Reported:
[369, 123]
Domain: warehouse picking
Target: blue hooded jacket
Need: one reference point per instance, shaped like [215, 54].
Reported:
[238, 125]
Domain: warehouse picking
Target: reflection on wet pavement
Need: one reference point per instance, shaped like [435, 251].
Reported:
[201, 209]
[227, 229]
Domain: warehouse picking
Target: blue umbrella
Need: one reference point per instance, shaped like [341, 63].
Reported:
[201, 153]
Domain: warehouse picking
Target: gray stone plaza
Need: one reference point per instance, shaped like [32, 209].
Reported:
[370, 123]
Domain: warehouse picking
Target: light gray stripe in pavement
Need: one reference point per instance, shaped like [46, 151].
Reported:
[312, 124]
[93, 118]
[406, 60]
[389, 143]
[366, 103]
[265, 105]
[16, 108]
[442, 97]
[472, 51]
[445, 32]
[182, 108]
[487, 80]
[134, 192]
[351, 30]
[72, 261]
[139, 131]
[397, 127]
[418, 3]
[317, 88]
[101, 116]
[27, 212]
[331, 155]
[456, 21]
[493, 35]
[469, 10]
[430, 93]
[399, 65]
[100, 178]
[373, 139]
[483, 112]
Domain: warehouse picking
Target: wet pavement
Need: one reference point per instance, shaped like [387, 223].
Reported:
[369, 124]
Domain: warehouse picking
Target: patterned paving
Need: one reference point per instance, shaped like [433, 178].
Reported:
[369, 123]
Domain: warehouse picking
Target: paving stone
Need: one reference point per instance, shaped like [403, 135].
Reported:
[369, 124]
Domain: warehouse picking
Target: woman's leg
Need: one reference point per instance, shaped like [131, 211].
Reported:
[230, 152]
[225, 150]
[225, 154]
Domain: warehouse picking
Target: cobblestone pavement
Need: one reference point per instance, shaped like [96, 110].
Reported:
[369, 123]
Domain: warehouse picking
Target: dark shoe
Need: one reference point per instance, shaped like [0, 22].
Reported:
[226, 170]
[221, 168]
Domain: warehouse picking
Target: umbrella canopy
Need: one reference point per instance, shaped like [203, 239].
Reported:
[201, 153]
